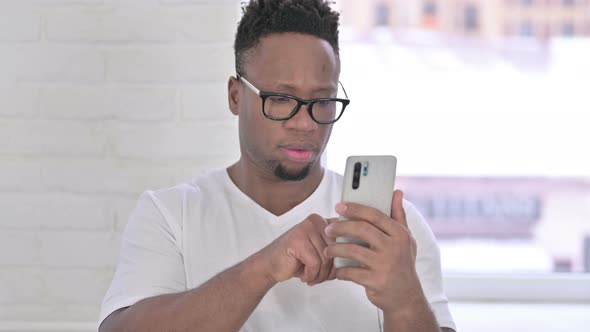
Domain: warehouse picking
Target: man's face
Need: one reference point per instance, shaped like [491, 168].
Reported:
[299, 65]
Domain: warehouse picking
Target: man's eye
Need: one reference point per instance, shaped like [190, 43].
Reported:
[325, 103]
[279, 99]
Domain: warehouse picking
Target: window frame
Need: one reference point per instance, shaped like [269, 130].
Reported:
[541, 288]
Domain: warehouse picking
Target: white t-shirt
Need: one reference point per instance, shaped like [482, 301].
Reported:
[180, 237]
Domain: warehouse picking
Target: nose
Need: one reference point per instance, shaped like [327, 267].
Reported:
[302, 120]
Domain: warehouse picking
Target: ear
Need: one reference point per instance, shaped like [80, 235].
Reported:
[233, 95]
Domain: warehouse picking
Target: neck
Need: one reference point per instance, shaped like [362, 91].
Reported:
[275, 195]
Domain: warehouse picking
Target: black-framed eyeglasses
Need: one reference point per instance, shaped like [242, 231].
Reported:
[281, 107]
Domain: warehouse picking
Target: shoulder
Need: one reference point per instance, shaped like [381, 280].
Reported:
[333, 178]
[181, 192]
[171, 203]
[418, 226]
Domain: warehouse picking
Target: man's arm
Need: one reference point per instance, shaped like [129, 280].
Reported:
[415, 317]
[221, 304]
[225, 302]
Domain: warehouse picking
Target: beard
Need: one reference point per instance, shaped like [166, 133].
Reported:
[287, 175]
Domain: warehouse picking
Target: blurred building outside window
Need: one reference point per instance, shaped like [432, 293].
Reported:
[381, 15]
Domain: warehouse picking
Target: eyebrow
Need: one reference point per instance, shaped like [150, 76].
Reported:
[289, 87]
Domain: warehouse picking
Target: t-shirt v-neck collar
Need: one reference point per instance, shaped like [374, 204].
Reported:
[302, 208]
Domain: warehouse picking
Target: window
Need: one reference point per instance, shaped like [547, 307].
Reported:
[471, 18]
[490, 138]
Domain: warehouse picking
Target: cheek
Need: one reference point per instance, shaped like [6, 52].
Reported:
[326, 133]
[255, 128]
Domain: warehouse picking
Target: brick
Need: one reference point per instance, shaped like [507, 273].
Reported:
[16, 101]
[206, 23]
[185, 2]
[122, 209]
[31, 63]
[55, 211]
[108, 103]
[18, 175]
[19, 24]
[128, 22]
[78, 249]
[96, 176]
[20, 285]
[162, 142]
[68, 2]
[206, 101]
[170, 64]
[20, 248]
[35, 317]
[77, 286]
[51, 138]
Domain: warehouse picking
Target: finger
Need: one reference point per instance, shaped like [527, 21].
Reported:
[333, 269]
[358, 229]
[320, 240]
[326, 264]
[398, 213]
[332, 220]
[320, 224]
[327, 237]
[311, 261]
[299, 272]
[359, 276]
[364, 256]
[357, 211]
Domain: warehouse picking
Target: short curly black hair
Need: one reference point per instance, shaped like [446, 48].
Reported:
[263, 17]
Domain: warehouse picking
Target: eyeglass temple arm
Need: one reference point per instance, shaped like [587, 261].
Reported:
[241, 78]
[343, 89]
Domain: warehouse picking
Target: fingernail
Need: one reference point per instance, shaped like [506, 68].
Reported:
[341, 208]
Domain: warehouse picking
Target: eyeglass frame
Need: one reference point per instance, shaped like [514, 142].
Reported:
[300, 102]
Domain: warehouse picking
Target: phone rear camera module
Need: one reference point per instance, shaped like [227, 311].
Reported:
[356, 176]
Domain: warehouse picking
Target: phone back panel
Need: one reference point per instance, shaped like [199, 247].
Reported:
[376, 184]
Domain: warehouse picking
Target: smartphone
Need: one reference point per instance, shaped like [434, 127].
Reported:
[368, 180]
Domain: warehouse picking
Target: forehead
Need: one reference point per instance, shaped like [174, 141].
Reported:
[293, 57]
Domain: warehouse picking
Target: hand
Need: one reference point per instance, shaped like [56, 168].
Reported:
[299, 252]
[387, 269]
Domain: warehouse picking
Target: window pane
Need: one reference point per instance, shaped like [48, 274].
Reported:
[489, 128]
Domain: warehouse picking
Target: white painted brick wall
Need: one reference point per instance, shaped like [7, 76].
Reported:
[19, 23]
[99, 101]
[18, 101]
[19, 175]
[108, 103]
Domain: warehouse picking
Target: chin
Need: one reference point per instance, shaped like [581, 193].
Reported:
[292, 174]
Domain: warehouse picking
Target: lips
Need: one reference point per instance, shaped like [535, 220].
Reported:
[298, 153]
